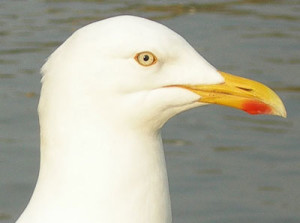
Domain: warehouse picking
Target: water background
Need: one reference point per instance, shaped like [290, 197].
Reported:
[224, 166]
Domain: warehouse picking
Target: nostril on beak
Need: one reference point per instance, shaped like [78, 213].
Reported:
[245, 89]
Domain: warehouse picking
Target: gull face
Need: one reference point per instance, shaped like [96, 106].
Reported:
[129, 62]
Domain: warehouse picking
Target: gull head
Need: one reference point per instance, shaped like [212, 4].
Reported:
[128, 69]
[106, 91]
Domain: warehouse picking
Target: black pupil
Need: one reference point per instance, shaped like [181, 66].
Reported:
[146, 58]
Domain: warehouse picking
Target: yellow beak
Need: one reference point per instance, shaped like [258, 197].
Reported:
[241, 93]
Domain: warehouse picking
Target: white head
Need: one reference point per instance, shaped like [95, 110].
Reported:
[106, 92]
[97, 67]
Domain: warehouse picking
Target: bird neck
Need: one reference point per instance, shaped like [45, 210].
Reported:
[98, 170]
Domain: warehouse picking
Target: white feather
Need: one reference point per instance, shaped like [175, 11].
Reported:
[100, 114]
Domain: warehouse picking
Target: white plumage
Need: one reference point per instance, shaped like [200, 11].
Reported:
[101, 111]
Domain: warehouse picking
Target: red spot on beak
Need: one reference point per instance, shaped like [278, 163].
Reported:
[256, 107]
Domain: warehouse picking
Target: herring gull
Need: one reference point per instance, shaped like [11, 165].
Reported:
[106, 93]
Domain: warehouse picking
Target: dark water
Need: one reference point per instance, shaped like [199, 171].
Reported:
[224, 166]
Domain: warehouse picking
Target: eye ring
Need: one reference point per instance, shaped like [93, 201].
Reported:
[145, 58]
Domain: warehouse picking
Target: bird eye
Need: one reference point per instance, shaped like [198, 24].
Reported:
[145, 58]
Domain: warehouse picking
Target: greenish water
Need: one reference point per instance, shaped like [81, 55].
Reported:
[224, 166]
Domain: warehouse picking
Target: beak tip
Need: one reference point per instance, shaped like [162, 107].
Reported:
[282, 112]
[278, 107]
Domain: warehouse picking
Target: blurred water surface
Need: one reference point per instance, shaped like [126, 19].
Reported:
[224, 166]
